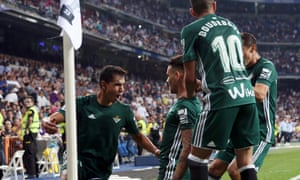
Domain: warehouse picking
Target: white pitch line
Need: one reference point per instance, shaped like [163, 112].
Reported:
[295, 178]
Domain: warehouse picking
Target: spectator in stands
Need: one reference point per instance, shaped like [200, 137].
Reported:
[17, 126]
[42, 100]
[284, 130]
[276, 130]
[101, 111]
[22, 94]
[2, 116]
[297, 131]
[290, 129]
[53, 96]
[8, 131]
[153, 129]
[30, 130]
[16, 110]
[141, 109]
[9, 115]
[1, 95]
[141, 124]
[3, 84]
[12, 96]
[2, 156]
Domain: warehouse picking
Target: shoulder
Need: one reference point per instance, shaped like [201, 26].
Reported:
[192, 104]
[193, 27]
[31, 110]
[189, 101]
[267, 64]
[86, 99]
[266, 61]
[122, 106]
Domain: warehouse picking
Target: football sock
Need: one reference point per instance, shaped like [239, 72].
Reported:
[248, 172]
[198, 168]
[211, 177]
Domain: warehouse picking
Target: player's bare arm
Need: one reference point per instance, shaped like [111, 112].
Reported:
[186, 137]
[145, 142]
[49, 123]
[190, 78]
[260, 91]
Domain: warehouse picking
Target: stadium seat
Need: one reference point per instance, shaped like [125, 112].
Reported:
[15, 165]
[49, 163]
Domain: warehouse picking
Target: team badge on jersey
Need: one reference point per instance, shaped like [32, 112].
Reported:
[265, 74]
[116, 119]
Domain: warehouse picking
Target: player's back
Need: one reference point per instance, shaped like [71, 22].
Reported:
[216, 43]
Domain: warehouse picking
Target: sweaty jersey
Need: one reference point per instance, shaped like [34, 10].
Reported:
[215, 43]
[264, 72]
[182, 115]
[98, 129]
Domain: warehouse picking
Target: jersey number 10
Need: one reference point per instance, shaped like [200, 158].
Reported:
[231, 53]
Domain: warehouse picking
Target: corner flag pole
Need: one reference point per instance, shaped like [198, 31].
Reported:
[69, 79]
[69, 20]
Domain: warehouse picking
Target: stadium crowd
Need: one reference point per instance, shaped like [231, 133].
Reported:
[155, 28]
[160, 14]
[150, 99]
[149, 36]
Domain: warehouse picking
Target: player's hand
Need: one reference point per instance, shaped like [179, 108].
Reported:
[157, 153]
[49, 125]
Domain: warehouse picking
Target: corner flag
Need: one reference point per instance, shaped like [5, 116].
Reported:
[69, 20]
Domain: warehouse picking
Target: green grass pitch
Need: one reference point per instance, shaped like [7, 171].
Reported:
[281, 163]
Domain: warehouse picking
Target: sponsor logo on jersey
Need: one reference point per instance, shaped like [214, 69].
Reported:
[265, 74]
[182, 113]
[116, 119]
[92, 116]
[240, 92]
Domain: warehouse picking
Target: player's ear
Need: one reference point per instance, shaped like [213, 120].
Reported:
[102, 85]
[215, 6]
[178, 74]
[253, 48]
[193, 13]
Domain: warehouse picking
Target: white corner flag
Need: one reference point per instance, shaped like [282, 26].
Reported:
[69, 20]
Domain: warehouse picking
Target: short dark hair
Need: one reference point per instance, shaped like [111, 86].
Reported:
[7, 120]
[248, 39]
[29, 97]
[200, 6]
[108, 72]
[176, 61]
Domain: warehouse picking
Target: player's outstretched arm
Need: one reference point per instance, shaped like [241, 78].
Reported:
[145, 142]
[49, 123]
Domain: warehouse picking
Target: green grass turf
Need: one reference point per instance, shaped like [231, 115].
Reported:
[282, 163]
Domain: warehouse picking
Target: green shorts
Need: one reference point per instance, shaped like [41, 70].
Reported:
[215, 128]
[259, 154]
[83, 172]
